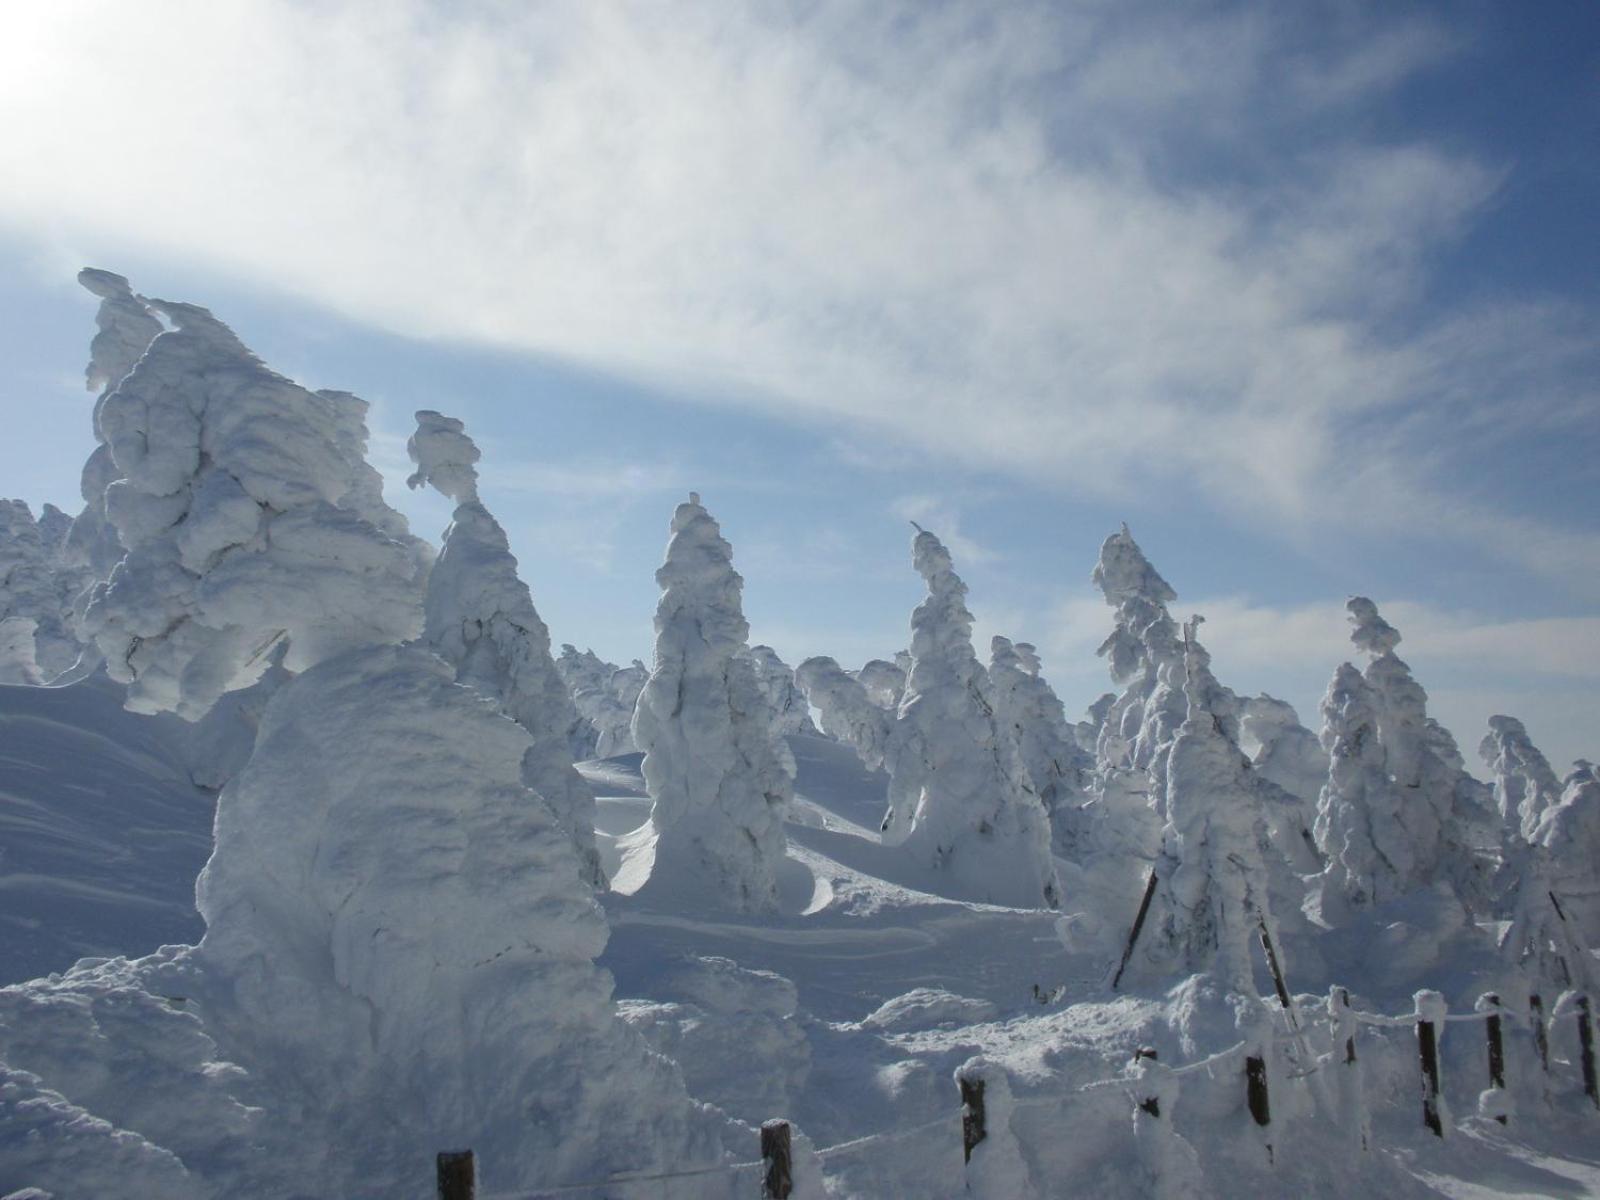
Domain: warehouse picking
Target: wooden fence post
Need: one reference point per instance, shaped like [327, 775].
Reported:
[972, 1119]
[1344, 1015]
[776, 1148]
[1586, 1050]
[1497, 1050]
[1428, 1004]
[1541, 1037]
[1150, 1103]
[1255, 1081]
[457, 1174]
[1352, 1100]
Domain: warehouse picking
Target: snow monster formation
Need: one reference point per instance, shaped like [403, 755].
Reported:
[960, 800]
[480, 618]
[34, 588]
[720, 779]
[1028, 708]
[400, 938]
[1399, 812]
[605, 696]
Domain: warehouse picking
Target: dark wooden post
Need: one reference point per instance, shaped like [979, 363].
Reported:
[1255, 1080]
[1349, 1042]
[1278, 980]
[457, 1175]
[778, 1181]
[1138, 924]
[1497, 1049]
[1428, 1046]
[1150, 1104]
[1541, 1037]
[1586, 1050]
[972, 1122]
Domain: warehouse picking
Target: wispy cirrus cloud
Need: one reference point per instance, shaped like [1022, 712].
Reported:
[1006, 236]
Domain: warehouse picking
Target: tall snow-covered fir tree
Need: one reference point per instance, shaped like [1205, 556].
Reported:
[720, 780]
[479, 617]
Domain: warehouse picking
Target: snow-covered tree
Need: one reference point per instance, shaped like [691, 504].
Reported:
[28, 598]
[847, 709]
[1031, 713]
[605, 696]
[1286, 752]
[1214, 887]
[1145, 656]
[1359, 828]
[247, 515]
[127, 326]
[884, 681]
[1524, 783]
[480, 618]
[1567, 846]
[959, 796]
[17, 662]
[790, 713]
[1445, 818]
[719, 779]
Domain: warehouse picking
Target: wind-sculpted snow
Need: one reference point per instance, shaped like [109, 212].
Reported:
[248, 515]
[480, 618]
[1028, 709]
[719, 778]
[960, 799]
[1524, 783]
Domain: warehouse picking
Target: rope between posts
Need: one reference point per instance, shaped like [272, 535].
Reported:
[721, 1168]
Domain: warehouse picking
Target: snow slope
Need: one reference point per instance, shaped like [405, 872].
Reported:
[101, 830]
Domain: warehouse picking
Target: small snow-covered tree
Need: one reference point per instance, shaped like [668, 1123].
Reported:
[1029, 710]
[790, 713]
[479, 617]
[1359, 827]
[17, 662]
[1524, 783]
[1445, 817]
[719, 780]
[847, 710]
[1566, 846]
[1286, 752]
[605, 696]
[1214, 886]
[959, 796]
[28, 592]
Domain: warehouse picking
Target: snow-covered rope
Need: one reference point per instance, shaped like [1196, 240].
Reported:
[873, 1139]
[568, 1189]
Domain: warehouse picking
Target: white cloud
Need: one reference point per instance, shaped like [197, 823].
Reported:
[942, 520]
[940, 224]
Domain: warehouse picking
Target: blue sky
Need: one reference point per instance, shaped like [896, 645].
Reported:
[1307, 296]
